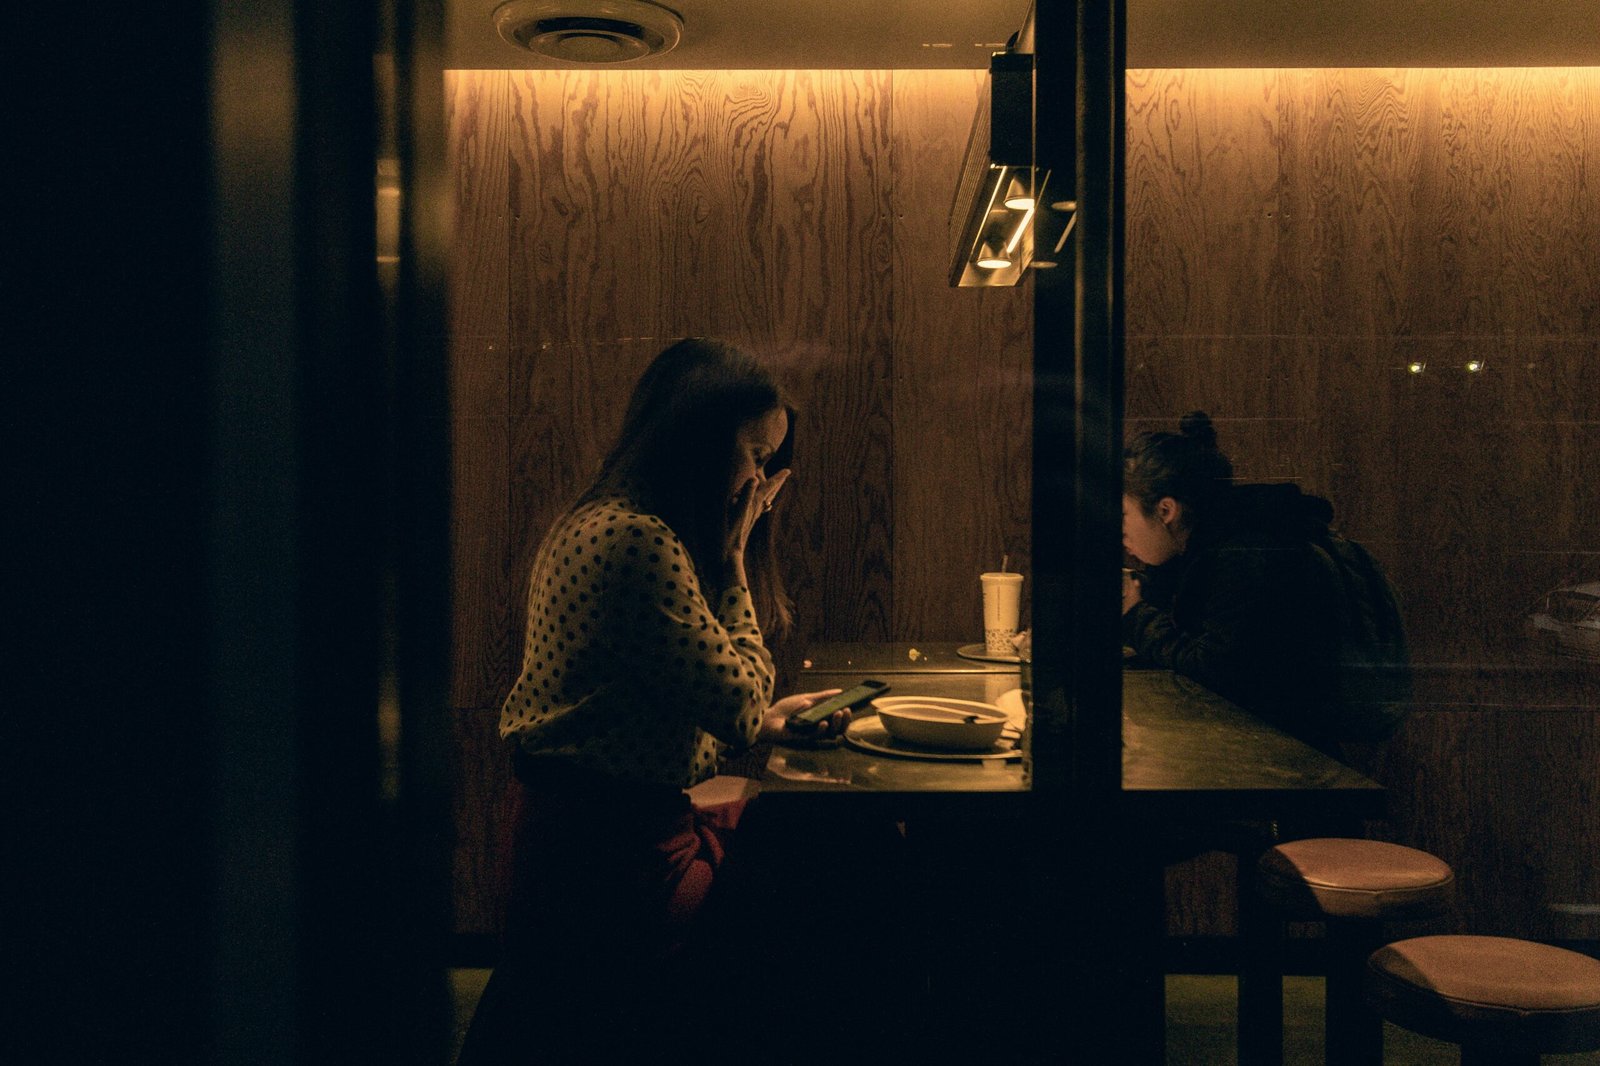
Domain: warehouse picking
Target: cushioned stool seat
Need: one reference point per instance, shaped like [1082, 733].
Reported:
[1503, 1000]
[1368, 880]
[1354, 886]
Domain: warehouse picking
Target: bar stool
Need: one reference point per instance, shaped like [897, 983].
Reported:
[1505, 1001]
[1353, 886]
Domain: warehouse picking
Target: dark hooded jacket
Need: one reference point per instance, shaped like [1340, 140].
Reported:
[1248, 611]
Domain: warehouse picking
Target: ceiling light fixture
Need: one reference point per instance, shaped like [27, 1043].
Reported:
[1022, 229]
[589, 31]
[1018, 196]
[1000, 188]
[991, 258]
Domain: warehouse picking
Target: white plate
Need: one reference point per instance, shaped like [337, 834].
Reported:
[980, 653]
[868, 734]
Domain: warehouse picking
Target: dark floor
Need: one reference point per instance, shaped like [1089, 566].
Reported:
[1200, 1017]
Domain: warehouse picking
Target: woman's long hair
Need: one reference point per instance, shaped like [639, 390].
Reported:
[675, 456]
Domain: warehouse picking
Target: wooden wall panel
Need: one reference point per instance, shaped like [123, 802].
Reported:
[769, 208]
[807, 158]
[483, 641]
[1455, 515]
[1203, 201]
[482, 809]
[1237, 379]
[1353, 254]
[963, 385]
[1516, 147]
[1436, 215]
[1508, 796]
[1294, 238]
[1355, 459]
[750, 206]
[1441, 216]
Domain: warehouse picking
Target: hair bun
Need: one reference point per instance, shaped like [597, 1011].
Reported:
[1196, 426]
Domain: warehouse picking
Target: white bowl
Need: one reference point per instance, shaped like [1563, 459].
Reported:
[937, 722]
[969, 706]
[1010, 702]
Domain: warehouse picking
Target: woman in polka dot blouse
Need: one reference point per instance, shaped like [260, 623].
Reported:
[644, 659]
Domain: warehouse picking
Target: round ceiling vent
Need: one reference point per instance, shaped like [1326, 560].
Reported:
[589, 31]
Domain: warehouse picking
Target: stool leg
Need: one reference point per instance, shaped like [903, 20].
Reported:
[1260, 974]
[1353, 1033]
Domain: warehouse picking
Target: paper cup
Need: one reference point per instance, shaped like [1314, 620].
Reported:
[1002, 604]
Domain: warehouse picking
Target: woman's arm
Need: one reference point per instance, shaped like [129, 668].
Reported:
[1228, 599]
[704, 661]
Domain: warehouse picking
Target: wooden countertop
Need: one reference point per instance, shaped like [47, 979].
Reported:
[935, 657]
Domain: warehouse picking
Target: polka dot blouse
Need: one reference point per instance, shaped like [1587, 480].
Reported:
[627, 669]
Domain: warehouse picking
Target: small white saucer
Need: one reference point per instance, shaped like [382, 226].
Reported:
[980, 653]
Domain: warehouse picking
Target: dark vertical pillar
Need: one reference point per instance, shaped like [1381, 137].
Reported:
[1062, 887]
[103, 426]
[1098, 913]
[250, 650]
[372, 509]
[415, 666]
[198, 509]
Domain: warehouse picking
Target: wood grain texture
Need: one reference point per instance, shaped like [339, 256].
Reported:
[1294, 238]
[774, 209]
[1354, 153]
[1355, 456]
[1203, 203]
[482, 809]
[482, 638]
[1440, 216]
[1515, 150]
[808, 155]
[1508, 796]
[762, 204]
[1429, 215]
[963, 386]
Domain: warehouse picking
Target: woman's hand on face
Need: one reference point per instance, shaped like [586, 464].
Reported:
[1130, 591]
[775, 723]
[754, 499]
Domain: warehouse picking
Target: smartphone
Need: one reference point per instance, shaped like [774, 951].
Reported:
[850, 698]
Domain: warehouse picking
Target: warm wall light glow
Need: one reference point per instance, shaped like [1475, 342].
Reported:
[1022, 228]
[992, 258]
[1416, 366]
[1019, 197]
[1244, 86]
[1474, 365]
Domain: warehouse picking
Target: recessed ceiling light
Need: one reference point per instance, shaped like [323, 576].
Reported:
[589, 31]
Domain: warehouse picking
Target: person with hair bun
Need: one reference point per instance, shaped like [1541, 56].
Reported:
[1231, 592]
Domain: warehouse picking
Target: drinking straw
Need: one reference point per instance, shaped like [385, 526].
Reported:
[1004, 559]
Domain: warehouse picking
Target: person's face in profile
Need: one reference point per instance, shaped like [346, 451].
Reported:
[1149, 537]
[755, 444]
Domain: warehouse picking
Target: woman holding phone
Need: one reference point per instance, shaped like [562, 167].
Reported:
[649, 609]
